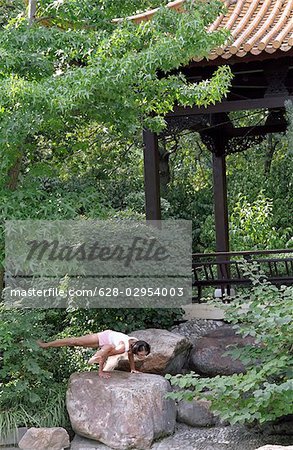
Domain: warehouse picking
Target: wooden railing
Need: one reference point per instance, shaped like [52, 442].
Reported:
[224, 270]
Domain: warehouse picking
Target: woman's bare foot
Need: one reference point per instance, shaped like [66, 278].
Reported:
[94, 360]
[43, 344]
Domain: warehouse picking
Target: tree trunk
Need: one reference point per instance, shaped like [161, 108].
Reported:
[32, 7]
[13, 174]
[165, 176]
[164, 167]
[269, 155]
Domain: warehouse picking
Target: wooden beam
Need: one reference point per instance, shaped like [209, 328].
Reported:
[227, 106]
[256, 131]
[220, 195]
[231, 132]
[151, 176]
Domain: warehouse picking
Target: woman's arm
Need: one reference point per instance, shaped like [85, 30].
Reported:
[101, 356]
[131, 363]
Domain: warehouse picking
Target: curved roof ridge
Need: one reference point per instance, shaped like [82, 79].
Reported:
[255, 25]
[176, 4]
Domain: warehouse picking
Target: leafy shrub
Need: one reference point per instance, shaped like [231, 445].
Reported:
[252, 225]
[33, 381]
[265, 392]
[30, 392]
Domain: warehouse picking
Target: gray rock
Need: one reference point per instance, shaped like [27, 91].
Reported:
[123, 412]
[81, 443]
[45, 439]
[196, 413]
[196, 328]
[207, 356]
[169, 353]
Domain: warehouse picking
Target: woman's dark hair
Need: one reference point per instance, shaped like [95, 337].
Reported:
[140, 346]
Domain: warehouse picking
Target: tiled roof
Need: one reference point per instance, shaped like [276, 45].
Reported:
[256, 26]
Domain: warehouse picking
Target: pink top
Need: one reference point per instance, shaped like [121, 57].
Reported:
[109, 337]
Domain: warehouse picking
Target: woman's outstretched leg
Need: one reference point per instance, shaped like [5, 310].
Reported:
[89, 340]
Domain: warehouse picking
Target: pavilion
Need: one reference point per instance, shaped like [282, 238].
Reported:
[260, 56]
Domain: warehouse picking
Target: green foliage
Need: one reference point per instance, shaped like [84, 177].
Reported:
[289, 113]
[251, 225]
[91, 13]
[50, 199]
[51, 78]
[189, 193]
[51, 414]
[259, 198]
[124, 320]
[9, 9]
[259, 189]
[30, 393]
[265, 392]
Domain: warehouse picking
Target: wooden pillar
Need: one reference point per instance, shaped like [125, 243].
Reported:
[151, 176]
[220, 197]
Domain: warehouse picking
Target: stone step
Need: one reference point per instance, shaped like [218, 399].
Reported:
[202, 311]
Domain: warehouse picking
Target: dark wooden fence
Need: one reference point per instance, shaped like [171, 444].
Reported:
[224, 270]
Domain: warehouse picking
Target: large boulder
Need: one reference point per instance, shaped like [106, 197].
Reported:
[45, 439]
[207, 356]
[125, 411]
[196, 328]
[169, 353]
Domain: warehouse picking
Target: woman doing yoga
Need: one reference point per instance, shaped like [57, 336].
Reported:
[110, 343]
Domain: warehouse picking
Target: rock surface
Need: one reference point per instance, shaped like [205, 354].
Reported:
[125, 411]
[196, 413]
[276, 447]
[196, 328]
[44, 439]
[169, 352]
[189, 438]
[281, 426]
[207, 356]
[81, 443]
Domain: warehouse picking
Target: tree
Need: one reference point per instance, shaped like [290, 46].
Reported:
[73, 65]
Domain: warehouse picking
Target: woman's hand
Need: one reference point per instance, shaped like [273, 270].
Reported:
[103, 374]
